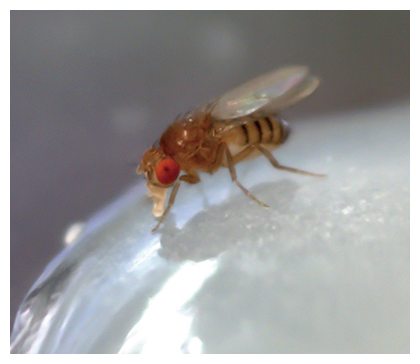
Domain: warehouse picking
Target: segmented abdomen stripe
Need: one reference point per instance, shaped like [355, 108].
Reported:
[270, 125]
[260, 130]
[268, 129]
[265, 130]
[245, 130]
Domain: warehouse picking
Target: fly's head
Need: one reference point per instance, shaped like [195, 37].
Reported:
[160, 170]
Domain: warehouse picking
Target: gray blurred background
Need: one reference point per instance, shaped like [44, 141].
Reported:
[90, 91]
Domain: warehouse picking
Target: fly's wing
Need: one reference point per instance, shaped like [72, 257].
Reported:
[266, 94]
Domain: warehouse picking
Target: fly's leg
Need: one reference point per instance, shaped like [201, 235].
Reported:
[243, 154]
[232, 171]
[191, 178]
[250, 148]
[276, 164]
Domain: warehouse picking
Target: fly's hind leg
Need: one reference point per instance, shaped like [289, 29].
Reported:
[230, 163]
[191, 178]
[276, 164]
[252, 147]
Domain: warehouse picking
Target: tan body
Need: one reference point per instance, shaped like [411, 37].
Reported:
[197, 143]
[237, 125]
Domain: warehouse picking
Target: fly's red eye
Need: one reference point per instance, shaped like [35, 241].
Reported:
[167, 171]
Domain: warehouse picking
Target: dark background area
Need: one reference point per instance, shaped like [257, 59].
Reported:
[90, 91]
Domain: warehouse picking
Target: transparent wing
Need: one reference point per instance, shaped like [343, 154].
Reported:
[266, 94]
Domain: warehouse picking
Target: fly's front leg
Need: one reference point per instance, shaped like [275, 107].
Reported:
[191, 178]
[276, 164]
[234, 179]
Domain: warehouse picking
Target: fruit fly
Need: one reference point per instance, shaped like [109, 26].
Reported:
[237, 125]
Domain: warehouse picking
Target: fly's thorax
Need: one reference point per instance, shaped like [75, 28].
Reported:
[186, 135]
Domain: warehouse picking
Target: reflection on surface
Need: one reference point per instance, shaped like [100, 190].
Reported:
[37, 312]
[166, 321]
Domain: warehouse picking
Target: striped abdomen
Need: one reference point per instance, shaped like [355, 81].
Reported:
[266, 130]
